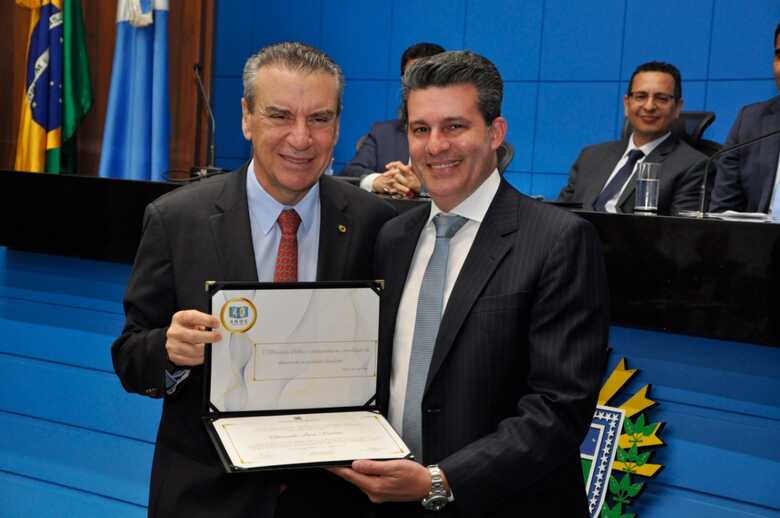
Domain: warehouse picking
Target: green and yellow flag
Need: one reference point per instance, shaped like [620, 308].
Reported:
[58, 92]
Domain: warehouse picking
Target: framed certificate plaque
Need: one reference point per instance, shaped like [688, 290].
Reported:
[292, 383]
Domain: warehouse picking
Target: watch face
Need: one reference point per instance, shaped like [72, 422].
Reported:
[435, 502]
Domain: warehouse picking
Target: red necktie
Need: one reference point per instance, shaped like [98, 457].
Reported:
[287, 257]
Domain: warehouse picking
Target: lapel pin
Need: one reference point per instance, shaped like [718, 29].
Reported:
[342, 228]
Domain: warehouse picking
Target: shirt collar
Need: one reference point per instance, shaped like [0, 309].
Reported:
[265, 210]
[475, 206]
[646, 148]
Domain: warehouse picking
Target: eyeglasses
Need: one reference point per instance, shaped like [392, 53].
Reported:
[659, 99]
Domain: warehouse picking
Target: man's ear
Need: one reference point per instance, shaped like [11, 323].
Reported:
[498, 129]
[678, 107]
[246, 115]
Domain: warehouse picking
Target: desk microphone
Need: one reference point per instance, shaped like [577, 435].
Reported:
[719, 153]
[210, 168]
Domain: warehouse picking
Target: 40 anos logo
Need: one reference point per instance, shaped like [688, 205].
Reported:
[238, 315]
[615, 443]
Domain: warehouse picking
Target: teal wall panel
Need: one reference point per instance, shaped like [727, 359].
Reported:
[720, 405]
[550, 45]
[74, 443]
[23, 497]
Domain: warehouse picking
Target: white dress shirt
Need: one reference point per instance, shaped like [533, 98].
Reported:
[774, 203]
[473, 209]
[611, 205]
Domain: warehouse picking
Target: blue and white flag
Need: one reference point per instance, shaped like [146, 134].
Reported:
[136, 133]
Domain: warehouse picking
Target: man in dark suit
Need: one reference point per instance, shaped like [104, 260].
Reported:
[225, 228]
[603, 177]
[492, 340]
[747, 179]
[382, 158]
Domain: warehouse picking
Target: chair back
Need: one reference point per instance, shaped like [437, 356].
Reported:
[690, 127]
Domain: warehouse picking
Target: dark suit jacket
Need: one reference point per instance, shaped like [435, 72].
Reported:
[385, 143]
[518, 361]
[746, 177]
[679, 186]
[197, 233]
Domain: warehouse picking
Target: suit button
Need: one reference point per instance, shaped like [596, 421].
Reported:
[432, 410]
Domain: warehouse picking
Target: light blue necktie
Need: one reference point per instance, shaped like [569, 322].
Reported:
[426, 327]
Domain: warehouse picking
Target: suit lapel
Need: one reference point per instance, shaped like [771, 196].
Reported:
[335, 235]
[492, 243]
[396, 270]
[768, 153]
[659, 154]
[231, 230]
[601, 172]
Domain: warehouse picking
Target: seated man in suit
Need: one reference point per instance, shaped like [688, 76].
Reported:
[747, 179]
[493, 323]
[230, 227]
[382, 160]
[603, 176]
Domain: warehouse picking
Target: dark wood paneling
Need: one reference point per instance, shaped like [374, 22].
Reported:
[14, 23]
[100, 25]
[190, 41]
[185, 49]
[207, 50]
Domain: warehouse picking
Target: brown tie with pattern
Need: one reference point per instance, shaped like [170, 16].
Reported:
[287, 257]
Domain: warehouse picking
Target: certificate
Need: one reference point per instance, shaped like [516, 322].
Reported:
[293, 379]
[304, 439]
[303, 348]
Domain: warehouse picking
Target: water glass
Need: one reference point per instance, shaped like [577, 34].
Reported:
[647, 178]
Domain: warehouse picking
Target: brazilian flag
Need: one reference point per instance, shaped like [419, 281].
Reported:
[58, 92]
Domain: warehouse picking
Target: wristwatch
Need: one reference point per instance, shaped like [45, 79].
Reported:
[437, 497]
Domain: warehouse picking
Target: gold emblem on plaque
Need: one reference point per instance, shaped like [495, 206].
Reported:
[238, 315]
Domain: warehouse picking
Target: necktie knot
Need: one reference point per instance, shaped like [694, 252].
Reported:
[615, 185]
[634, 155]
[289, 220]
[448, 224]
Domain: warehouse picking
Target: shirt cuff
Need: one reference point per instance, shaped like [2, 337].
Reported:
[173, 379]
[367, 182]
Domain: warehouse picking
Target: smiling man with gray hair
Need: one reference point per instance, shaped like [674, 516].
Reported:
[276, 218]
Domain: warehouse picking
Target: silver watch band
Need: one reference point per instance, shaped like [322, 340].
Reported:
[437, 497]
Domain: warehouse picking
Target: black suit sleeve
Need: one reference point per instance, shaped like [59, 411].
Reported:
[565, 349]
[727, 193]
[687, 191]
[139, 354]
[364, 161]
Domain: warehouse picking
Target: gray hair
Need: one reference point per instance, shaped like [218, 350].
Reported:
[456, 68]
[293, 56]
